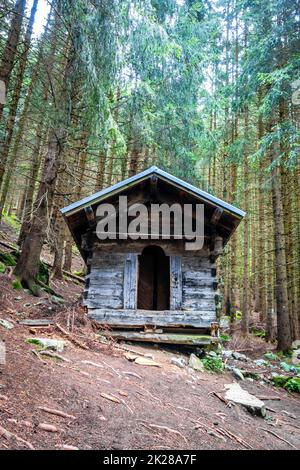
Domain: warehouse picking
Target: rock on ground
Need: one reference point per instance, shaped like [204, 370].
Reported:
[240, 396]
[179, 362]
[6, 324]
[195, 363]
[48, 343]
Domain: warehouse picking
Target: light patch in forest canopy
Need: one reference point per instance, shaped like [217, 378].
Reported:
[42, 12]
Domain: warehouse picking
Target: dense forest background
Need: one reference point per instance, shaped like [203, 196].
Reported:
[208, 90]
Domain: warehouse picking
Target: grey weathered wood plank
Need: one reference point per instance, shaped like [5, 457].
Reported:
[105, 281]
[130, 281]
[104, 302]
[201, 305]
[107, 260]
[175, 282]
[195, 263]
[36, 322]
[167, 338]
[114, 290]
[121, 317]
[201, 274]
[99, 274]
[198, 292]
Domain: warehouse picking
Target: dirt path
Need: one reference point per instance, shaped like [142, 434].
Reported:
[160, 407]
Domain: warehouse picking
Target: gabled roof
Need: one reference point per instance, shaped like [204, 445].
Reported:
[133, 180]
[78, 215]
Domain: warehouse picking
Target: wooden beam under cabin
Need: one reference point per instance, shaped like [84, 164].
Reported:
[166, 338]
[168, 318]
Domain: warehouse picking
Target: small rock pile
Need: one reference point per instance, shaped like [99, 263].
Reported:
[272, 368]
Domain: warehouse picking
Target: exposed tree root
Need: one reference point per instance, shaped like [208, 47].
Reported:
[11, 436]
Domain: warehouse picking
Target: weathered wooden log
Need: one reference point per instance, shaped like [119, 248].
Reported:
[167, 338]
[132, 318]
[36, 322]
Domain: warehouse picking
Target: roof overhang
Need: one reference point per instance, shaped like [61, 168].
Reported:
[133, 180]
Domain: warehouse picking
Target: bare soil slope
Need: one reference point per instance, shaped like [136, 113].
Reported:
[154, 407]
[114, 403]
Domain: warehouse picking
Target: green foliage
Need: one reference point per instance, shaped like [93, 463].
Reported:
[271, 356]
[224, 338]
[238, 315]
[43, 274]
[164, 81]
[8, 259]
[258, 333]
[293, 385]
[36, 342]
[290, 367]
[16, 284]
[35, 289]
[57, 300]
[79, 273]
[213, 364]
[279, 380]
[285, 354]
[2, 268]
[286, 367]
[11, 220]
[33, 341]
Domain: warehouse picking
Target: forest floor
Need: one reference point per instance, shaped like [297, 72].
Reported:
[113, 402]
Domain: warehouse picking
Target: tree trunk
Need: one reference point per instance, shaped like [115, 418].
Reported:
[33, 175]
[281, 293]
[12, 162]
[270, 312]
[100, 173]
[245, 316]
[28, 262]
[134, 160]
[16, 96]
[261, 262]
[40, 134]
[59, 227]
[8, 57]
[68, 252]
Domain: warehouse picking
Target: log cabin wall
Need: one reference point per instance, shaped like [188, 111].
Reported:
[112, 283]
[199, 285]
[104, 282]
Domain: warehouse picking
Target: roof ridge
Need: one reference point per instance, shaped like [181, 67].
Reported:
[115, 188]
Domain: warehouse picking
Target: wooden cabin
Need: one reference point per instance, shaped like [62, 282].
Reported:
[153, 289]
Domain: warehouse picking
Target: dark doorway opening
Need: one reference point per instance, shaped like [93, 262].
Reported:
[154, 279]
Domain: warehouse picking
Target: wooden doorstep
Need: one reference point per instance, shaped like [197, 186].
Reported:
[167, 338]
[167, 318]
